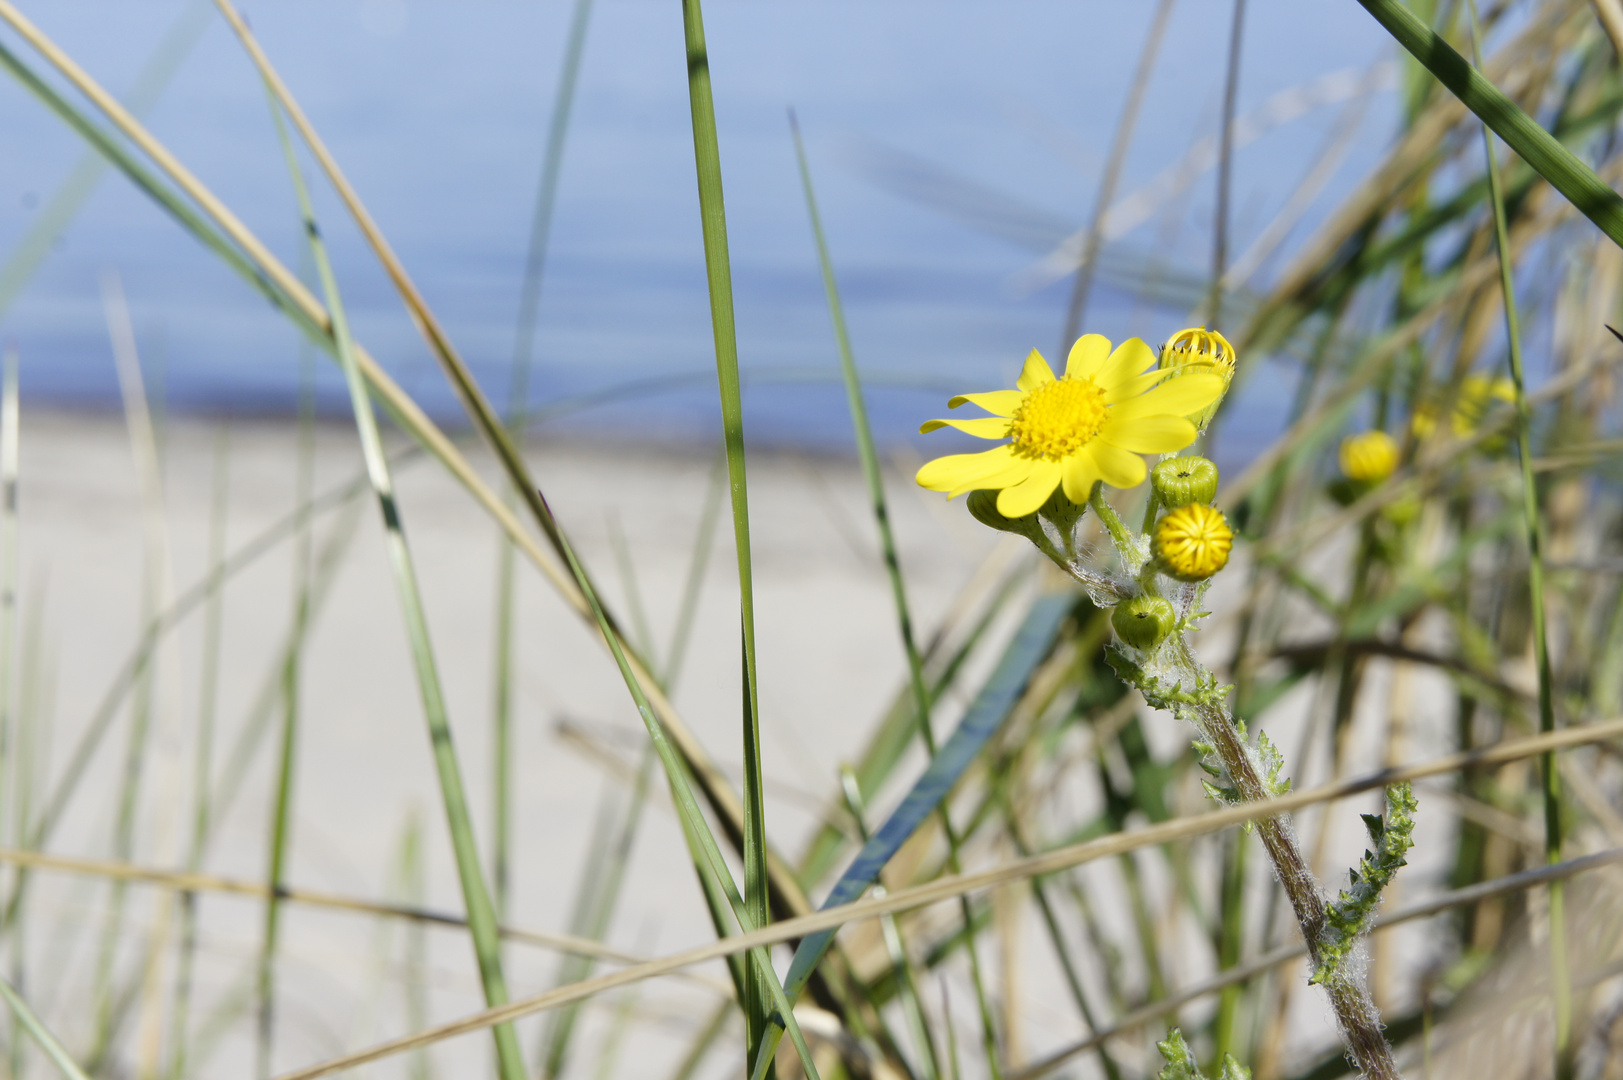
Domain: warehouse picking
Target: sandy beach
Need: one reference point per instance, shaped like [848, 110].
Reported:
[830, 663]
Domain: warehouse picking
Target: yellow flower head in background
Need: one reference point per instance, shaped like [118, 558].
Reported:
[1193, 542]
[1200, 350]
[1477, 395]
[1368, 457]
[1090, 424]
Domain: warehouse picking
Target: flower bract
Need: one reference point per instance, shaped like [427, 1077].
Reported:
[1088, 425]
[1198, 349]
[1193, 542]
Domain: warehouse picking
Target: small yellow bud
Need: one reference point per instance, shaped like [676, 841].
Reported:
[1180, 481]
[1200, 349]
[1368, 457]
[1193, 542]
[1144, 621]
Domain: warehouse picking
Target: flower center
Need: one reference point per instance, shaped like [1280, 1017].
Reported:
[1058, 418]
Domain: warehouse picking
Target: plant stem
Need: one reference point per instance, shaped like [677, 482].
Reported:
[1355, 1013]
[1549, 779]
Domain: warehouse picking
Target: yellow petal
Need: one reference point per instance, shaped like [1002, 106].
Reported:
[1117, 467]
[1149, 434]
[996, 402]
[1131, 358]
[966, 472]
[1079, 477]
[1034, 374]
[1088, 355]
[989, 427]
[1176, 397]
[1029, 495]
[1126, 391]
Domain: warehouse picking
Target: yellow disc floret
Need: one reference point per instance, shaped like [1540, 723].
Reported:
[1368, 457]
[1193, 542]
[1058, 418]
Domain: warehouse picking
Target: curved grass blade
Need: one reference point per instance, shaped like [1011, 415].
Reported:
[481, 913]
[1576, 181]
[246, 254]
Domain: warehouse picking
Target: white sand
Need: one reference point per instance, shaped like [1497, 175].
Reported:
[830, 662]
[829, 658]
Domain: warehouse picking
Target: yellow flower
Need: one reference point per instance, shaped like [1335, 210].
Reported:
[1477, 394]
[1200, 350]
[1368, 457]
[1193, 542]
[1087, 426]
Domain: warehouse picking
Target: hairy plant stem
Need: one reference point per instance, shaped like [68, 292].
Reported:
[1355, 1011]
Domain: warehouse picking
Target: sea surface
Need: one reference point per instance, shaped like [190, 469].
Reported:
[954, 146]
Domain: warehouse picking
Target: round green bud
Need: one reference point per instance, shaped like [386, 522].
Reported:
[1180, 481]
[1144, 621]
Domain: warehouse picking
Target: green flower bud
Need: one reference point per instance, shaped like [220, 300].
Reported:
[1180, 481]
[1144, 621]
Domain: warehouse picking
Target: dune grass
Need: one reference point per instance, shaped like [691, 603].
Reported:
[1075, 854]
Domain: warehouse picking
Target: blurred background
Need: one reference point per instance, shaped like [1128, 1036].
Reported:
[955, 146]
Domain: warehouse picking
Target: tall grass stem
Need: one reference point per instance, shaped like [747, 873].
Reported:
[1549, 778]
[482, 924]
[718, 275]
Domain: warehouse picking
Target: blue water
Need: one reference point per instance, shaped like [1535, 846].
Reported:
[952, 144]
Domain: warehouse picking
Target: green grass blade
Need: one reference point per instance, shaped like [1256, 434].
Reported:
[1566, 173]
[517, 413]
[62, 207]
[595, 905]
[718, 273]
[41, 1034]
[893, 567]
[10, 771]
[287, 756]
[203, 753]
[476, 897]
[1032, 642]
[1549, 778]
[901, 966]
[112, 1002]
[688, 608]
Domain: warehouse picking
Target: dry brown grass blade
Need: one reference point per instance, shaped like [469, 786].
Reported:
[177, 881]
[718, 792]
[952, 886]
